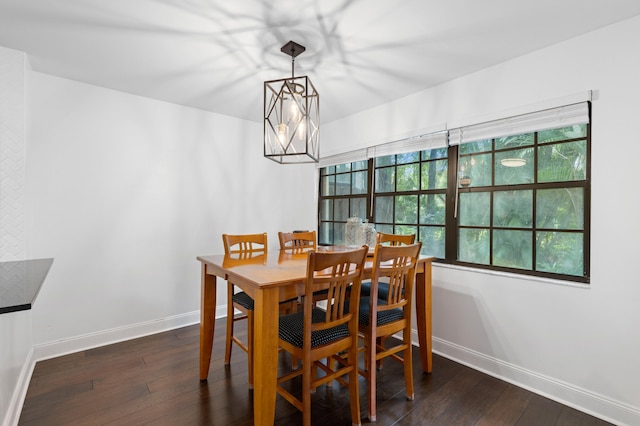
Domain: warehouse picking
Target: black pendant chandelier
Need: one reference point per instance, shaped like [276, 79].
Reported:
[291, 116]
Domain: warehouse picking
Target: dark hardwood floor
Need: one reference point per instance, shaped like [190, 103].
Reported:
[154, 380]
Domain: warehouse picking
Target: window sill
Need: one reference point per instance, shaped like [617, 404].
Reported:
[513, 276]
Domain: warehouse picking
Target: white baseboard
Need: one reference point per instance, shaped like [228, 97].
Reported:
[106, 337]
[573, 396]
[12, 416]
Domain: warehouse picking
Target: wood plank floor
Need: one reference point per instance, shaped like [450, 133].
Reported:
[154, 381]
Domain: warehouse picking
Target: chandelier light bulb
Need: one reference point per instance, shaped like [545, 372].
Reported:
[301, 130]
[294, 109]
[283, 134]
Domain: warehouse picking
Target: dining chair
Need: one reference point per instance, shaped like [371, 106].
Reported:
[381, 318]
[297, 240]
[315, 334]
[391, 240]
[245, 248]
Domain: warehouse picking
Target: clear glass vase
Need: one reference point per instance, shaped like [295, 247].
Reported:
[351, 231]
[366, 234]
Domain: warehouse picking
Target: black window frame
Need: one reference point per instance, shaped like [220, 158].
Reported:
[452, 191]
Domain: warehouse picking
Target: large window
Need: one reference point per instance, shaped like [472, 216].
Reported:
[523, 202]
[518, 203]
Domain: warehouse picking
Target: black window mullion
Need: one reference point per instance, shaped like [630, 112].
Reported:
[451, 228]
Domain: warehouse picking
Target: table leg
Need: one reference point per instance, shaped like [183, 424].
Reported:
[423, 316]
[265, 349]
[207, 320]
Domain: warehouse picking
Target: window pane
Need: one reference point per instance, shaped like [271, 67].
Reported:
[560, 253]
[387, 160]
[406, 209]
[431, 154]
[477, 168]
[512, 249]
[406, 230]
[338, 233]
[432, 209]
[564, 133]
[515, 140]
[328, 185]
[510, 175]
[408, 177]
[341, 210]
[360, 165]
[561, 208]
[359, 207]
[477, 146]
[387, 229]
[513, 209]
[410, 157]
[433, 238]
[434, 175]
[474, 208]
[385, 180]
[343, 184]
[325, 236]
[474, 245]
[384, 210]
[340, 168]
[359, 182]
[326, 210]
[562, 162]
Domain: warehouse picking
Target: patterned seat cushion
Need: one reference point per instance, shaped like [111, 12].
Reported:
[383, 290]
[291, 329]
[384, 317]
[243, 299]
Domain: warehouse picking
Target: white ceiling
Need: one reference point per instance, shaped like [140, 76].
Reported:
[215, 55]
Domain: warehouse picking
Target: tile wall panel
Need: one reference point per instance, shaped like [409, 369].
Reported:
[12, 155]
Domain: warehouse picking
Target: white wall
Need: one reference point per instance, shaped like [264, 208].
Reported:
[576, 345]
[124, 192]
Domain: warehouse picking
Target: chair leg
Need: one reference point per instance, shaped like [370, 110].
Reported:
[370, 354]
[306, 392]
[230, 312]
[380, 341]
[408, 366]
[250, 331]
[354, 394]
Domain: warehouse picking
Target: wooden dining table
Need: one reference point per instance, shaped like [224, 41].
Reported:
[269, 278]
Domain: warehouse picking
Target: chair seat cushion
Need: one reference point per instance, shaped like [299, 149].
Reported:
[291, 329]
[243, 299]
[383, 290]
[384, 317]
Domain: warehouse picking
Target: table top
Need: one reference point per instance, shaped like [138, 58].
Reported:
[280, 267]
